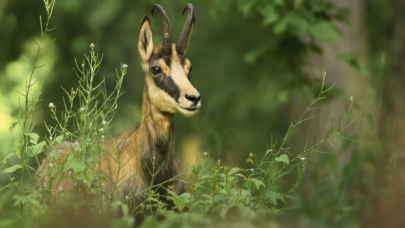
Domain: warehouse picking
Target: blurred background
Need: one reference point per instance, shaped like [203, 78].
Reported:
[256, 63]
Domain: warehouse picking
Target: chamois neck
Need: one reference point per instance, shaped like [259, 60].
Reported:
[157, 140]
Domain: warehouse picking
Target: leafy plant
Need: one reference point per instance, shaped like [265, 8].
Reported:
[27, 146]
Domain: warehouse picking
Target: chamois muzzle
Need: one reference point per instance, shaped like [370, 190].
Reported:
[185, 35]
[167, 32]
[192, 98]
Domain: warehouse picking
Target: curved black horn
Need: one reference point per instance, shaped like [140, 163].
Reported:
[167, 32]
[185, 35]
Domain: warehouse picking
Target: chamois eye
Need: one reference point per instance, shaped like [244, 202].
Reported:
[156, 70]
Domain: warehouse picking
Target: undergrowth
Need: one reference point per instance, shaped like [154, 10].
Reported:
[214, 189]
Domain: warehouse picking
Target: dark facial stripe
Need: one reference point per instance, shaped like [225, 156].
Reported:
[167, 84]
[159, 55]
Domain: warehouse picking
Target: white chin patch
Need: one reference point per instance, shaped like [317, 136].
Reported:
[188, 111]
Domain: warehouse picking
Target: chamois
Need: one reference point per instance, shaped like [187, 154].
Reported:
[167, 90]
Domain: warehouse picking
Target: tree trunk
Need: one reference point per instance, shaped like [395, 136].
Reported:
[388, 207]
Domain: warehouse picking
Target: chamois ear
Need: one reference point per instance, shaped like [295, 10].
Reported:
[145, 40]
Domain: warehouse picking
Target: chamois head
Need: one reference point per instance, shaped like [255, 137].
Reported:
[167, 70]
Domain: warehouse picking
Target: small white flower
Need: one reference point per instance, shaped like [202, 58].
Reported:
[351, 98]
[50, 137]
[102, 136]
[101, 129]
[205, 153]
[60, 188]
[92, 45]
[125, 65]
[82, 109]
[116, 106]
[85, 181]
[51, 105]
[303, 158]
[51, 165]
[70, 173]
[76, 143]
[104, 122]
[31, 83]
[126, 197]
[154, 157]
[83, 65]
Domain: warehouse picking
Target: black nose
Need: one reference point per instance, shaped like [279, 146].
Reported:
[192, 98]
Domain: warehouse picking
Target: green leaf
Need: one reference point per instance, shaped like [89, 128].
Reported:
[235, 170]
[114, 205]
[8, 186]
[281, 26]
[33, 138]
[252, 55]
[12, 168]
[185, 197]
[34, 150]
[324, 30]
[205, 176]
[32, 198]
[246, 6]
[59, 139]
[268, 151]
[269, 14]
[153, 199]
[256, 182]
[273, 196]
[206, 196]
[56, 155]
[4, 161]
[12, 127]
[297, 23]
[283, 158]
[124, 208]
[199, 185]
[76, 164]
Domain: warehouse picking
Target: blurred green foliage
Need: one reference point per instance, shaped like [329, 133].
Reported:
[249, 58]
[252, 76]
